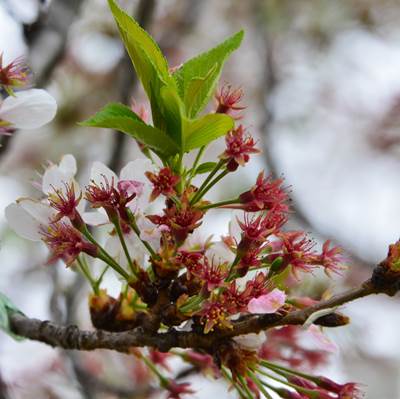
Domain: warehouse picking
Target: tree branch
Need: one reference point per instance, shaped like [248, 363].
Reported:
[71, 337]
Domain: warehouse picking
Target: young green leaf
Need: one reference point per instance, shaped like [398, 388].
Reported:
[196, 79]
[205, 167]
[120, 117]
[172, 111]
[202, 131]
[197, 91]
[7, 308]
[147, 58]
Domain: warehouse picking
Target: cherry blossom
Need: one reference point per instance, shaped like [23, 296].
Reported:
[28, 109]
[268, 303]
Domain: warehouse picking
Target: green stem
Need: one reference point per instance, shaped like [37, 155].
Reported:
[243, 383]
[196, 163]
[289, 384]
[106, 257]
[200, 194]
[135, 228]
[121, 237]
[181, 183]
[242, 393]
[221, 203]
[259, 385]
[206, 181]
[100, 278]
[280, 369]
[231, 274]
[163, 380]
[86, 272]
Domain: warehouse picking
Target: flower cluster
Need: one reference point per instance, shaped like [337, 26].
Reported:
[170, 281]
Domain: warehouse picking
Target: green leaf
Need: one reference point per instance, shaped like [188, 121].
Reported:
[205, 167]
[173, 113]
[202, 131]
[7, 308]
[147, 58]
[196, 79]
[197, 91]
[279, 280]
[120, 117]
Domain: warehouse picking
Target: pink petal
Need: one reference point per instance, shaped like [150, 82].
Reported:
[321, 340]
[268, 303]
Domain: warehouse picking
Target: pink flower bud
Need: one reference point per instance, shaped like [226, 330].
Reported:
[268, 303]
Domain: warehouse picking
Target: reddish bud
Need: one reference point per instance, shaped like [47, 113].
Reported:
[163, 183]
[239, 146]
[181, 221]
[266, 194]
[228, 100]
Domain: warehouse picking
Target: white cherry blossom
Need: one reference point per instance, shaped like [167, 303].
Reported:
[28, 109]
[26, 215]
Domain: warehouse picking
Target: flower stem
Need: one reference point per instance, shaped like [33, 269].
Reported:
[259, 385]
[105, 256]
[121, 237]
[135, 228]
[241, 392]
[163, 380]
[196, 163]
[86, 273]
[221, 203]
[283, 370]
[198, 195]
[245, 387]
[289, 384]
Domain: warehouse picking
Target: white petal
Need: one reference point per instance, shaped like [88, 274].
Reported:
[136, 248]
[68, 165]
[220, 252]
[251, 341]
[99, 171]
[54, 179]
[29, 109]
[113, 247]
[234, 228]
[150, 232]
[22, 222]
[135, 170]
[95, 218]
[38, 210]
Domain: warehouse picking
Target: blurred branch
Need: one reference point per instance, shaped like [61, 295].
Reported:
[270, 82]
[71, 337]
[99, 385]
[3, 388]
[47, 42]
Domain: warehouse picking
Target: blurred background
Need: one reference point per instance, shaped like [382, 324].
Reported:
[322, 88]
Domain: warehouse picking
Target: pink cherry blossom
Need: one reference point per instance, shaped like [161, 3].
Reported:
[268, 303]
